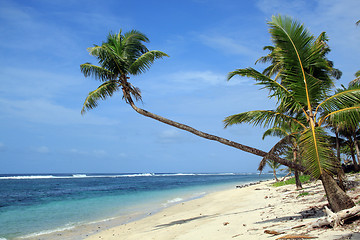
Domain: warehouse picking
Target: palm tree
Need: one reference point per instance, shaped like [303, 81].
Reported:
[288, 145]
[303, 88]
[124, 55]
[274, 166]
[348, 128]
[351, 135]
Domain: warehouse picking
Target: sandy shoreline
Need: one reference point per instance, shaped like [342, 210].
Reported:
[243, 213]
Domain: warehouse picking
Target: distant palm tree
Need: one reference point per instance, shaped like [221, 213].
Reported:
[303, 88]
[288, 146]
[348, 127]
[274, 166]
[124, 55]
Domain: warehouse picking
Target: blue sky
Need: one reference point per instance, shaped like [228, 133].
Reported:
[42, 44]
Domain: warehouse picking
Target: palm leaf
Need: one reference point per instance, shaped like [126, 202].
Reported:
[145, 61]
[342, 99]
[275, 132]
[278, 91]
[316, 152]
[300, 56]
[97, 72]
[349, 116]
[105, 90]
[278, 149]
[262, 118]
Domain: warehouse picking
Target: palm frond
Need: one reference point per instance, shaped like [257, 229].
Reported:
[275, 132]
[105, 90]
[301, 57]
[342, 99]
[356, 81]
[357, 74]
[262, 118]
[277, 149]
[316, 152]
[349, 116]
[97, 72]
[145, 61]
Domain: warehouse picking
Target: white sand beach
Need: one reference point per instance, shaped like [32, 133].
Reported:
[239, 213]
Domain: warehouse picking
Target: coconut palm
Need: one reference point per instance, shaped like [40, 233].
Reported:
[274, 166]
[303, 88]
[124, 55]
[288, 146]
[348, 127]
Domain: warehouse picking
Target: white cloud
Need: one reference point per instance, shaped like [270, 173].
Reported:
[200, 79]
[227, 45]
[336, 18]
[122, 155]
[281, 6]
[2, 147]
[26, 83]
[171, 136]
[99, 153]
[42, 149]
[93, 153]
[44, 111]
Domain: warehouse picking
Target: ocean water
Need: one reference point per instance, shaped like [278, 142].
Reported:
[33, 205]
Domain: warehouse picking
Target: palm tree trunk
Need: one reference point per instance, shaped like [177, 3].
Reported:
[337, 198]
[357, 152]
[340, 170]
[274, 172]
[297, 179]
[227, 142]
[352, 152]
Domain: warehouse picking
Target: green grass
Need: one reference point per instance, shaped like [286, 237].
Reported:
[303, 194]
[303, 179]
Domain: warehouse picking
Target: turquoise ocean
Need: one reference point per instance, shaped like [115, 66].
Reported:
[72, 206]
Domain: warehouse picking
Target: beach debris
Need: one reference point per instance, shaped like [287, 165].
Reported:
[237, 235]
[311, 212]
[336, 219]
[226, 223]
[299, 226]
[296, 237]
[273, 232]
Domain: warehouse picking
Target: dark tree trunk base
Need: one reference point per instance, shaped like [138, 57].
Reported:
[337, 198]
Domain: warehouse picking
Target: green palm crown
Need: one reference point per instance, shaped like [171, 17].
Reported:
[119, 57]
[300, 78]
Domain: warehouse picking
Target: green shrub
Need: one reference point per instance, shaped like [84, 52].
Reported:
[303, 194]
[303, 179]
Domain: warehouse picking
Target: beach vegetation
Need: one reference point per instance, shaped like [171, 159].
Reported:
[302, 81]
[124, 55]
[303, 194]
[292, 181]
[301, 87]
[287, 146]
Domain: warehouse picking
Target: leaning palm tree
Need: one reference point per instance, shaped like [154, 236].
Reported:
[303, 88]
[124, 55]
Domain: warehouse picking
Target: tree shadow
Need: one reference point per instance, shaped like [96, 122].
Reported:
[182, 221]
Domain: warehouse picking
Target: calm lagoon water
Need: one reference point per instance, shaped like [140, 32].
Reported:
[31, 205]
